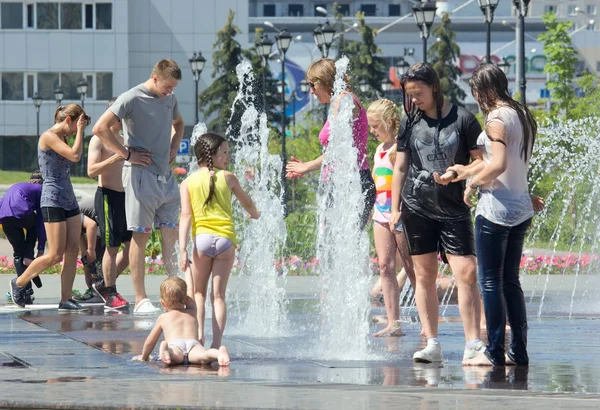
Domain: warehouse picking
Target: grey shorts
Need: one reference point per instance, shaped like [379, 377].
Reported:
[150, 199]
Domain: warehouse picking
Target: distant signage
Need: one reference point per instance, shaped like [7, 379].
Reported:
[184, 147]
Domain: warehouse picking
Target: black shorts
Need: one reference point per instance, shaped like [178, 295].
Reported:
[427, 235]
[55, 214]
[110, 207]
[370, 194]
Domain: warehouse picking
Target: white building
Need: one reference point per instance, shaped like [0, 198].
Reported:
[115, 43]
[112, 43]
[397, 39]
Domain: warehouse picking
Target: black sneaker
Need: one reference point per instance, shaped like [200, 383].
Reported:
[17, 294]
[71, 306]
[29, 299]
[100, 290]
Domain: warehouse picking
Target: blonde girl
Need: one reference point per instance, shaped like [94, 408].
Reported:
[206, 208]
[384, 123]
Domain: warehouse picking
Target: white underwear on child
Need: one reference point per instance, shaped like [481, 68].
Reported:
[185, 345]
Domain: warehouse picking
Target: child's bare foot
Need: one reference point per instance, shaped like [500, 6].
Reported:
[479, 360]
[164, 355]
[223, 356]
[392, 330]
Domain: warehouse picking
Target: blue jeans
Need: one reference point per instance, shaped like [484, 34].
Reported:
[499, 250]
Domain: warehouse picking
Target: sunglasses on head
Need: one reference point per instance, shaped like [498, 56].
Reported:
[312, 85]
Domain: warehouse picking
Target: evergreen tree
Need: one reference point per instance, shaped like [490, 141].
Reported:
[561, 61]
[218, 98]
[365, 64]
[443, 55]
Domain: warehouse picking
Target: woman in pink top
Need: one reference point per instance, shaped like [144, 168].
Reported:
[321, 75]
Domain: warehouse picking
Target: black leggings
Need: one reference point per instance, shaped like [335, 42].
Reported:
[23, 244]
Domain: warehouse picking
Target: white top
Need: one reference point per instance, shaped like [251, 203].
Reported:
[505, 201]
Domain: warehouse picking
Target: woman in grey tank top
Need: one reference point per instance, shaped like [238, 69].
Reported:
[58, 204]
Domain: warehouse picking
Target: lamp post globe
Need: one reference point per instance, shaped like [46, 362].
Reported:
[82, 88]
[37, 102]
[59, 94]
[304, 86]
[401, 67]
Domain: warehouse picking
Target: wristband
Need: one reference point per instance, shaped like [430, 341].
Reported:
[128, 155]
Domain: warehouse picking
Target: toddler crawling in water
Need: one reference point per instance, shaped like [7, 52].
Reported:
[180, 326]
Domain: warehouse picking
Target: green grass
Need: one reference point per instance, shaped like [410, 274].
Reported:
[12, 177]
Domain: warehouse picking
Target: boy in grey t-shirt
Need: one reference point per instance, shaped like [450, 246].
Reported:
[148, 113]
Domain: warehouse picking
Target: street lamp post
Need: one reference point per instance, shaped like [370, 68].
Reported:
[264, 47]
[283, 39]
[82, 87]
[37, 102]
[487, 8]
[323, 36]
[59, 95]
[197, 63]
[521, 6]
[424, 15]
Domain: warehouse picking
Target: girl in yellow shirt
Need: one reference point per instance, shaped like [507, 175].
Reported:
[206, 207]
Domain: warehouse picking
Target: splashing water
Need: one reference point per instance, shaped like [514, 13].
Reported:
[566, 159]
[260, 240]
[342, 247]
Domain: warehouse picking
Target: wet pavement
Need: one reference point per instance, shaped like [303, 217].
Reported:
[51, 360]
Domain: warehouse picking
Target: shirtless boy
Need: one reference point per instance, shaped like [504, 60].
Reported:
[110, 206]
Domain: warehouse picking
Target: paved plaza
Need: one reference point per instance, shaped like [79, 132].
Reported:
[51, 360]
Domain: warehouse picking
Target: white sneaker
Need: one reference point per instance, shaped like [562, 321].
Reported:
[145, 307]
[431, 354]
[471, 352]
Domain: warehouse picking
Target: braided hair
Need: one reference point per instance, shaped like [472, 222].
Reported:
[425, 73]
[205, 148]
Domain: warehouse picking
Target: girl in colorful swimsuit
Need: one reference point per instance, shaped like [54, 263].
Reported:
[206, 208]
[384, 121]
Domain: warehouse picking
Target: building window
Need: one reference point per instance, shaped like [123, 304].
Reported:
[394, 10]
[70, 16]
[296, 10]
[268, 10]
[12, 86]
[103, 16]
[104, 87]
[550, 8]
[316, 13]
[12, 15]
[89, 16]
[30, 16]
[47, 83]
[571, 10]
[30, 85]
[344, 9]
[591, 9]
[370, 10]
[591, 27]
[47, 16]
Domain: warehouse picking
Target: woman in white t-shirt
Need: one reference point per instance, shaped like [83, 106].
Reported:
[504, 212]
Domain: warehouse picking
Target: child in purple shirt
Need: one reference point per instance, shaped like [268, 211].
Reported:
[22, 222]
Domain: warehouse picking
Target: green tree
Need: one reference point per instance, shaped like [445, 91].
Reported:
[365, 64]
[443, 55]
[587, 106]
[218, 98]
[561, 62]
